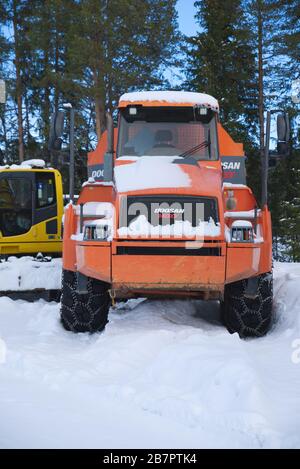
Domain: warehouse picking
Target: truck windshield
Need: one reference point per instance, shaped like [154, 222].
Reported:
[178, 132]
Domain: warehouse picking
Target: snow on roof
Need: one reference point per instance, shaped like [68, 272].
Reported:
[27, 164]
[36, 163]
[176, 97]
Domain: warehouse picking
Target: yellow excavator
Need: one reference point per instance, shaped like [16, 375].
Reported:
[31, 209]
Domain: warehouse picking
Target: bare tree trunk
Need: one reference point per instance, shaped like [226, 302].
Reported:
[4, 137]
[46, 104]
[87, 143]
[27, 118]
[20, 123]
[57, 67]
[260, 77]
[98, 118]
[99, 107]
[19, 87]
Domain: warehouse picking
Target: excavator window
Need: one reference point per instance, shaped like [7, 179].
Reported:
[45, 190]
[15, 206]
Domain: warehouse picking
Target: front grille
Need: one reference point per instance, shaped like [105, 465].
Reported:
[166, 209]
[167, 251]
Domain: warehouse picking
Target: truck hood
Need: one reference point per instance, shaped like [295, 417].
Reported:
[155, 174]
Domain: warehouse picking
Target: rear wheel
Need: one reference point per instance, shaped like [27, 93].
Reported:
[84, 312]
[250, 315]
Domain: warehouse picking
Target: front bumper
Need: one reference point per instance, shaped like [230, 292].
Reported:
[151, 268]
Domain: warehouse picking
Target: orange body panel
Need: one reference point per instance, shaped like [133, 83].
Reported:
[69, 245]
[227, 146]
[245, 199]
[266, 253]
[242, 261]
[188, 273]
[94, 193]
[97, 156]
[94, 260]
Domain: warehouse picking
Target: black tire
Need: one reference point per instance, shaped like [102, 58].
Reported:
[84, 312]
[249, 317]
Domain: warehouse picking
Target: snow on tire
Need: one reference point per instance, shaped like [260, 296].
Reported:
[250, 317]
[84, 312]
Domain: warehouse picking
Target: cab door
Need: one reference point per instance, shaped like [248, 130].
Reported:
[16, 203]
[45, 203]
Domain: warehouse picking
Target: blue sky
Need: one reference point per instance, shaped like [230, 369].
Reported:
[188, 26]
[186, 12]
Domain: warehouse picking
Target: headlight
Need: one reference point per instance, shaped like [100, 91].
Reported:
[242, 232]
[96, 221]
[97, 232]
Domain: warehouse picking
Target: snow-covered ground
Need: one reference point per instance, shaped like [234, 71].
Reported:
[26, 273]
[163, 374]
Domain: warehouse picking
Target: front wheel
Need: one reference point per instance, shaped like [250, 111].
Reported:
[84, 312]
[250, 315]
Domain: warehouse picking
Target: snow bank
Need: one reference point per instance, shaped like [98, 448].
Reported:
[176, 97]
[164, 374]
[150, 172]
[24, 273]
[141, 227]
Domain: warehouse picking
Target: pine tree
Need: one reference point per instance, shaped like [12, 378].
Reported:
[48, 28]
[4, 54]
[120, 45]
[15, 19]
[279, 62]
[220, 62]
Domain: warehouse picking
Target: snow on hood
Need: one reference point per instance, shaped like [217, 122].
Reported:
[176, 97]
[150, 172]
[141, 227]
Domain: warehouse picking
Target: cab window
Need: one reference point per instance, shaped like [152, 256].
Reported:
[15, 206]
[178, 132]
[45, 190]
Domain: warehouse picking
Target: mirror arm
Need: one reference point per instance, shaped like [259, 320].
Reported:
[265, 163]
[109, 155]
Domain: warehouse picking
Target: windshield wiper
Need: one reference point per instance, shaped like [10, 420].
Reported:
[191, 151]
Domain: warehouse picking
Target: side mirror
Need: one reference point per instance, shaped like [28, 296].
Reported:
[283, 134]
[110, 133]
[108, 167]
[109, 155]
[56, 130]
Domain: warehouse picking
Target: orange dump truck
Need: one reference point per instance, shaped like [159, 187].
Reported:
[166, 212]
